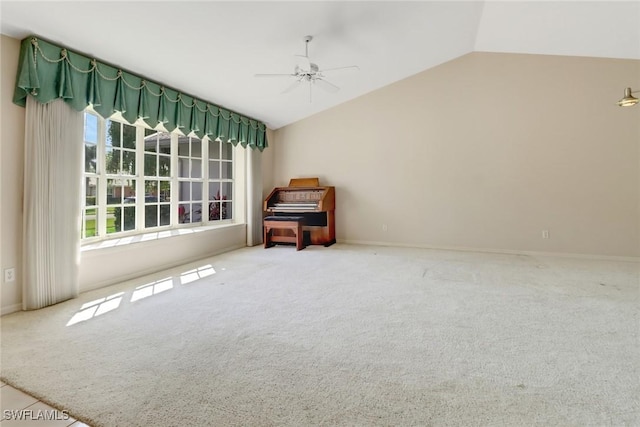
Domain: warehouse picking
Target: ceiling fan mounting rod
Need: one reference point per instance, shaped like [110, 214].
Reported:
[307, 39]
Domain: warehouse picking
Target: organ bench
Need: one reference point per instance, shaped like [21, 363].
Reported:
[293, 223]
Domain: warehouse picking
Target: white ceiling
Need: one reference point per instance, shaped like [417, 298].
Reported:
[212, 49]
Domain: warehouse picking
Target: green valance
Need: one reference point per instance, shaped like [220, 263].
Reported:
[47, 72]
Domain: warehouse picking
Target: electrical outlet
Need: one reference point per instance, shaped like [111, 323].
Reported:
[9, 275]
[545, 234]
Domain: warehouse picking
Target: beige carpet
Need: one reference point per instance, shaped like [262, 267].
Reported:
[346, 335]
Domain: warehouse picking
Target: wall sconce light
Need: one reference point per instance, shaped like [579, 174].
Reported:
[629, 100]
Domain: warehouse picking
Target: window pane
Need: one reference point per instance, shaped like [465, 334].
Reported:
[184, 213]
[227, 191]
[91, 190]
[129, 162]
[90, 128]
[113, 134]
[113, 161]
[214, 211]
[196, 148]
[196, 215]
[165, 214]
[214, 149]
[129, 136]
[165, 191]
[114, 192]
[165, 144]
[89, 221]
[130, 218]
[90, 159]
[114, 220]
[214, 170]
[183, 168]
[196, 168]
[151, 143]
[164, 167]
[183, 146]
[150, 188]
[214, 191]
[150, 165]
[196, 191]
[227, 151]
[184, 191]
[227, 211]
[129, 191]
[150, 215]
[227, 170]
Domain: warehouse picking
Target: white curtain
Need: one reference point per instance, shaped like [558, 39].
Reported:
[52, 189]
[254, 197]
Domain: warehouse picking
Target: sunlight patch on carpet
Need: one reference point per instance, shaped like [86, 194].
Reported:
[197, 274]
[153, 288]
[97, 307]
[109, 303]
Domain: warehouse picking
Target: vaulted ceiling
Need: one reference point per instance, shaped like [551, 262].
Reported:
[213, 49]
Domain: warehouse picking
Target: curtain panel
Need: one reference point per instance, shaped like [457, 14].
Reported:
[52, 185]
[47, 72]
[254, 198]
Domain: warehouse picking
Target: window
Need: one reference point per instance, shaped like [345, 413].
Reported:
[137, 179]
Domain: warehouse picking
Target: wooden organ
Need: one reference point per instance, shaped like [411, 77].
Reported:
[312, 204]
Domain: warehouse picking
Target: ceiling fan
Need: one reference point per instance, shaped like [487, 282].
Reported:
[307, 71]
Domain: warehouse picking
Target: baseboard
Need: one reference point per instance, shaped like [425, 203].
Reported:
[10, 309]
[495, 251]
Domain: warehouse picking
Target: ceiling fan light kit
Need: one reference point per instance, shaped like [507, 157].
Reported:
[308, 71]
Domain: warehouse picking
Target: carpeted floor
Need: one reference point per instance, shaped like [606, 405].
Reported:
[346, 335]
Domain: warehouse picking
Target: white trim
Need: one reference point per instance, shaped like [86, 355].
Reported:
[496, 251]
[10, 309]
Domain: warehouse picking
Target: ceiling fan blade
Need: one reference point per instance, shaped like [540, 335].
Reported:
[291, 87]
[348, 67]
[274, 75]
[329, 87]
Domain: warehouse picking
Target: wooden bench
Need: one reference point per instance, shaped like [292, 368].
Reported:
[277, 223]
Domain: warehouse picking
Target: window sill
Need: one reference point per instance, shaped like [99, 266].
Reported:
[151, 236]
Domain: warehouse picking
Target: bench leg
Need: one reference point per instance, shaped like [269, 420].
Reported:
[299, 244]
[267, 238]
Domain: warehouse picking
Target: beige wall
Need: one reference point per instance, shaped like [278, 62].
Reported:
[483, 152]
[11, 167]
